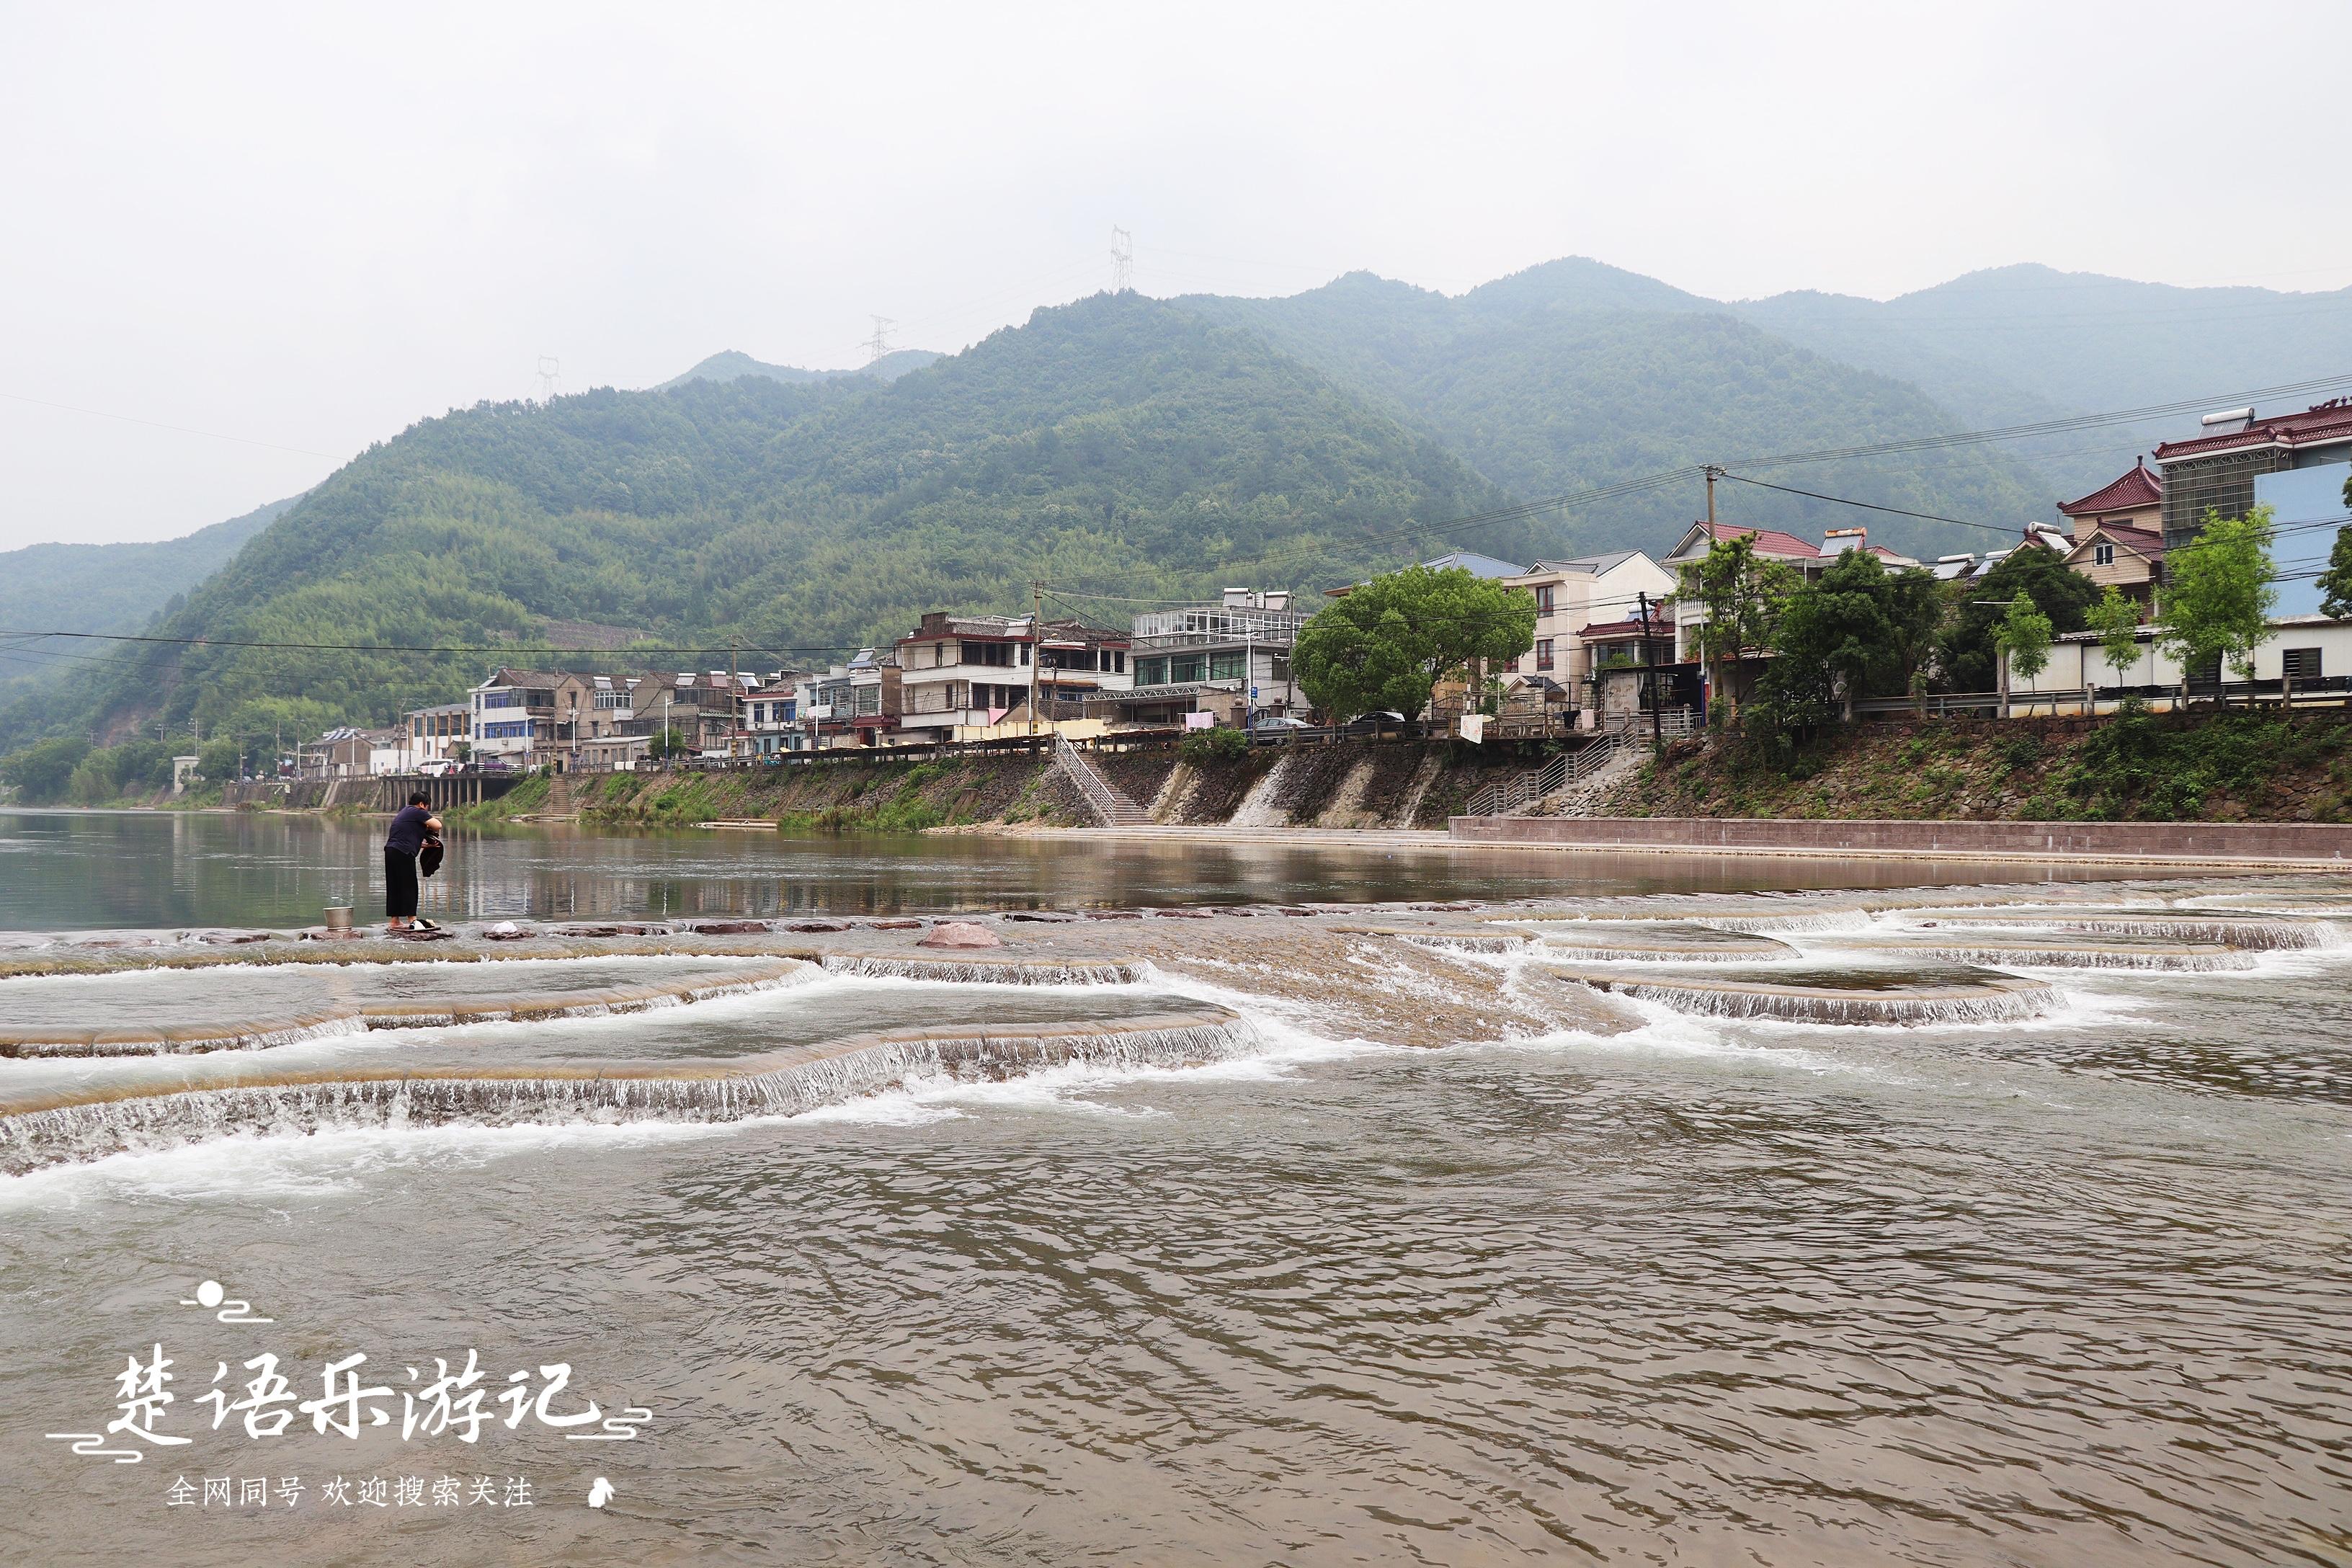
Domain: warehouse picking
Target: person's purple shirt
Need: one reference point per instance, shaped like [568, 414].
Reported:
[407, 833]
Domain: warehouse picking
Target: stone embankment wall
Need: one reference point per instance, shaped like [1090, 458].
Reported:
[1371, 784]
[2207, 841]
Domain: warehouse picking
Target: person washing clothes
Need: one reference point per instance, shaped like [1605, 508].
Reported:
[411, 829]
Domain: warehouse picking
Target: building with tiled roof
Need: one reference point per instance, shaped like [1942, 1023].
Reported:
[2222, 472]
[1570, 594]
[2135, 501]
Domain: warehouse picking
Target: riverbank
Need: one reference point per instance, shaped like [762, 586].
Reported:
[2201, 766]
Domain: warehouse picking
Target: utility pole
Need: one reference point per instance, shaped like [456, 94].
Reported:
[734, 705]
[1713, 474]
[1036, 644]
[880, 344]
[1650, 679]
[550, 370]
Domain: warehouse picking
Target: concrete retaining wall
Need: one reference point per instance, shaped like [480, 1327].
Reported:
[2177, 841]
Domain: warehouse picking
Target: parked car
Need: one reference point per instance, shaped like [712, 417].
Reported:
[1281, 721]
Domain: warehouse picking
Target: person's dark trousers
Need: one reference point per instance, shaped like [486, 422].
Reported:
[399, 884]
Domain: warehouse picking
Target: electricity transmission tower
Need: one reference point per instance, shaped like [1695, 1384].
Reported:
[880, 344]
[1122, 260]
[550, 370]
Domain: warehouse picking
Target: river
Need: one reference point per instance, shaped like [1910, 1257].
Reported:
[1588, 1278]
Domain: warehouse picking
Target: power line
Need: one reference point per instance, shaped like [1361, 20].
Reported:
[159, 425]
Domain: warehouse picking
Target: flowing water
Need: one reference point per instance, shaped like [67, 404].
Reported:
[1228, 1269]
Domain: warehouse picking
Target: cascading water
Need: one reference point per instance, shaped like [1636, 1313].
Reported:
[1988, 998]
[984, 972]
[96, 1127]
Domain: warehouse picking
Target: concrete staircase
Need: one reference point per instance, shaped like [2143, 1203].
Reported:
[1111, 808]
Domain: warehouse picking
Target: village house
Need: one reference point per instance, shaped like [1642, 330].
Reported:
[699, 706]
[1621, 682]
[2313, 654]
[1573, 594]
[961, 672]
[772, 716]
[438, 735]
[2116, 537]
[1230, 659]
[529, 718]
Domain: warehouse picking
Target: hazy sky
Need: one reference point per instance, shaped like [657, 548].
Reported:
[307, 227]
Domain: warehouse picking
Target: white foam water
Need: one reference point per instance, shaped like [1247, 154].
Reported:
[982, 972]
[98, 1129]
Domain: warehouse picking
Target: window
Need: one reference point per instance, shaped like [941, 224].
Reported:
[1281, 669]
[612, 700]
[1543, 598]
[1184, 666]
[1119, 661]
[1543, 653]
[1225, 666]
[991, 652]
[2103, 555]
[2300, 663]
[1151, 672]
[500, 700]
[518, 730]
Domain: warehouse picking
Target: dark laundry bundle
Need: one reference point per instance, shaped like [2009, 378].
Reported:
[428, 858]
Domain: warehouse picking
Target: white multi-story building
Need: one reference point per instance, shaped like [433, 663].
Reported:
[1230, 659]
[959, 672]
[1573, 594]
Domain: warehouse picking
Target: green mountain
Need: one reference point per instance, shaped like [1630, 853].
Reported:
[1118, 446]
[1574, 375]
[117, 587]
[732, 365]
[95, 588]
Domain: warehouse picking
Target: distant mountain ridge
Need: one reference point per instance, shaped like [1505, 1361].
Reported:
[732, 365]
[117, 587]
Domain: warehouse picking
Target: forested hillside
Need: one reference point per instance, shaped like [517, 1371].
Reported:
[1574, 375]
[96, 588]
[732, 365]
[1117, 445]
[116, 588]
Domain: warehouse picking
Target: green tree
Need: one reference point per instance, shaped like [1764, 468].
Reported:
[1856, 630]
[1965, 653]
[2218, 596]
[2022, 638]
[1388, 642]
[39, 774]
[2116, 619]
[1741, 592]
[2336, 583]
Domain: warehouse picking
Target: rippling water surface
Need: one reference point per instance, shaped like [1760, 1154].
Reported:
[2069, 1290]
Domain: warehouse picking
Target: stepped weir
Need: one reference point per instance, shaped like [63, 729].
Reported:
[85, 1123]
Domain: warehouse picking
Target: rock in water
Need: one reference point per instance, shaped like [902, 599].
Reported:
[961, 933]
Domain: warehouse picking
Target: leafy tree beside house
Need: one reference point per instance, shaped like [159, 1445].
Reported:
[1388, 642]
[2218, 597]
[2116, 621]
[1856, 630]
[2022, 640]
[1742, 594]
[1966, 652]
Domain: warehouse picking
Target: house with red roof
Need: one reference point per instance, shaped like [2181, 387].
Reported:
[2117, 535]
[2294, 462]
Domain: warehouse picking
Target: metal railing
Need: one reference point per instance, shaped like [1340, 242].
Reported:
[1113, 808]
[1563, 771]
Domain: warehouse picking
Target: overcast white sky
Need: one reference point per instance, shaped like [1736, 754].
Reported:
[306, 227]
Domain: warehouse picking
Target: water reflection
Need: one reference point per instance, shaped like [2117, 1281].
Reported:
[145, 869]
